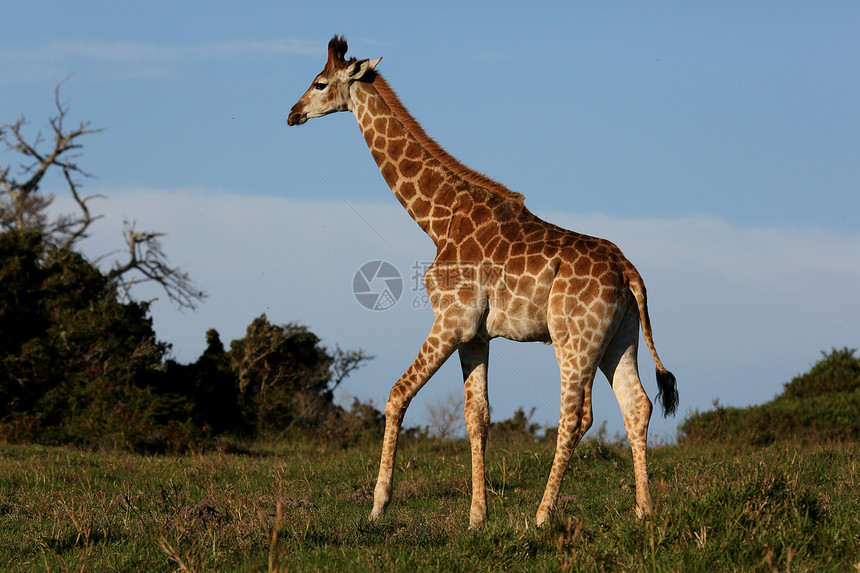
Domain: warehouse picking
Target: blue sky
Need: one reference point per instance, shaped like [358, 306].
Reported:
[716, 145]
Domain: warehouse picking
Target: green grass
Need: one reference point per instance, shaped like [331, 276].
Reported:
[304, 507]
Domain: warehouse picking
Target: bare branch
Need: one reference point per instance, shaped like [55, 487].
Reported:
[67, 227]
[444, 416]
[23, 208]
[345, 363]
[147, 262]
[20, 209]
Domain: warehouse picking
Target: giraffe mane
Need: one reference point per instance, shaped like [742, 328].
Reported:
[436, 151]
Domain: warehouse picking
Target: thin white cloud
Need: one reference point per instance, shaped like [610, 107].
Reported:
[737, 312]
[135, 59]
[140, 51]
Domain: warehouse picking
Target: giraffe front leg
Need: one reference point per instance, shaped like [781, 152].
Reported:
[474, 357]
[382, 491]
[434, 352]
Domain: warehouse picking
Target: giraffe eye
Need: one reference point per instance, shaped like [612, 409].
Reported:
[320, 86]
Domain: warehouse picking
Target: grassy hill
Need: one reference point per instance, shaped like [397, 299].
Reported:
[820, 405]
[769, 488]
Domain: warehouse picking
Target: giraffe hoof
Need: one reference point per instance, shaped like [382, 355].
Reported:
[476, 522]
[477, 516]
[542, 519]
[643, 512]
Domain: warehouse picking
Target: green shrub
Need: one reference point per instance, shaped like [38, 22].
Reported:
[837, 372]
[78, 365]
[821, 404]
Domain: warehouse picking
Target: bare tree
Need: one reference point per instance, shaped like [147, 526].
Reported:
[445, 416]
[344, 363]
[147, 262]
[23, 208]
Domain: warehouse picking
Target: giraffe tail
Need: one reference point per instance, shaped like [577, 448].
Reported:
[666, 383]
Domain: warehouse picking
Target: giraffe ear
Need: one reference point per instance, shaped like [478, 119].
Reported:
[361, 67]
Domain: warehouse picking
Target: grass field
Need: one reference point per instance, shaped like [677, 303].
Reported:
[304, 507]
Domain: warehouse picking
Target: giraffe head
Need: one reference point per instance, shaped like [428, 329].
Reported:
[329, 92]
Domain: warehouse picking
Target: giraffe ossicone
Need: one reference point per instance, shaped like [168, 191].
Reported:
[499, 271]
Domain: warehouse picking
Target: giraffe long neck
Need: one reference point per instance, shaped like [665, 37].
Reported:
[427, 181]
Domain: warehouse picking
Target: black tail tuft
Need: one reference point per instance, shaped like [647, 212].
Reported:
[668, 393]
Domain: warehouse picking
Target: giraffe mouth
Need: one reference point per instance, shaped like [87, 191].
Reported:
[296, 118]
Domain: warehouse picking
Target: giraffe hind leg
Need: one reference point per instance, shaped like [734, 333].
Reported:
[620, 367]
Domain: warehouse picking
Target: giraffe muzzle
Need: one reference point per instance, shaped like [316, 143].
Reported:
[296, 118]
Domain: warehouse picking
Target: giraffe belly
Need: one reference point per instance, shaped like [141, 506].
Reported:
[519, 320]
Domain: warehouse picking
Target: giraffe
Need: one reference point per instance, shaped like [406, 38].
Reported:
[499, 271]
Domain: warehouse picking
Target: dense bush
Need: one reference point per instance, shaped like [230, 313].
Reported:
[77, 363]
[821, 404]
[281, 380]
[80, 366]
[836, 373]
